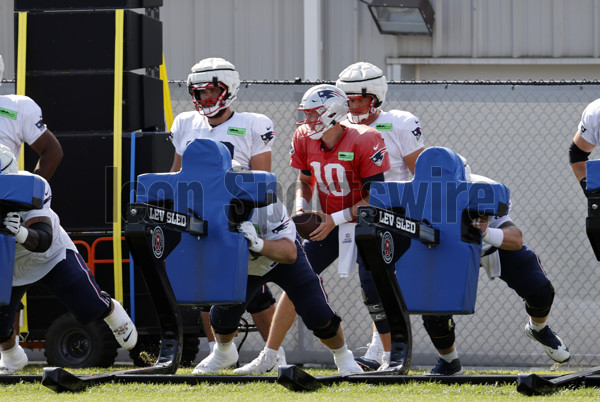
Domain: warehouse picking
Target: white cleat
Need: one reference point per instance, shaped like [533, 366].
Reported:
[346, 364]
[554, 346]
[217, 360]
[18, 360]
[122, 327]
[267, 360]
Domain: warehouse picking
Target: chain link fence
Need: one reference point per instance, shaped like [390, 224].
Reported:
[517, 133]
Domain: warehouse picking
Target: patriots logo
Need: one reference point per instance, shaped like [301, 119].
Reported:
[281, 227]
[40, 124]
[268, 136]
[292, 150]
[583, 129]
[327, 94]
[417, 132]
[377, 157]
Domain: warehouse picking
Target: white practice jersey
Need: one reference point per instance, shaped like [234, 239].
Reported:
[401, 132]
[245, 134]
[31, 266]
[589, 126]
[271, 223]
[20, 121]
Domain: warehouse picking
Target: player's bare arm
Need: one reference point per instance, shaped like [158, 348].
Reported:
[584, 146]
[281, 250]
[50, 152]
[304, 190]
[512, 237]
[261, 162]
[411, 159]
[176, 167]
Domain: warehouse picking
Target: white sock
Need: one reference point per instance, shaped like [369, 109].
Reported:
[117, 316]
[450, 356]
[271, 352]
[340, 351]
[10, 355]
[224, 346]
[387, 356]
[376, 340]
[536, 326]
[211, 345]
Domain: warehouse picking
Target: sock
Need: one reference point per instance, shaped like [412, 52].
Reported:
[270, 352]
[224, 346]
[376, 339]
[450, 356]
[536, 326]
[211, 345]
[387, 356]
[11, 353]
[340, 351]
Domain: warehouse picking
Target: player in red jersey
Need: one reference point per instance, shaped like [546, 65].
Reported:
[341, 161]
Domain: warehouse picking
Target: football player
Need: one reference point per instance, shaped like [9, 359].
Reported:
[340, 161]
[213, 84]
[585, 140]
[46, 255]
[276, 255]
[366, 87]
[504, 255]
[21, 122]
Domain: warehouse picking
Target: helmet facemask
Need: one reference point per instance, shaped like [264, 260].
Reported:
[362, 113]
[210, 107]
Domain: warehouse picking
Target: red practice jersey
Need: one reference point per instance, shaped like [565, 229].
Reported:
[358, 154]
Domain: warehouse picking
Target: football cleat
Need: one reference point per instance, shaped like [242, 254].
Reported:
[346, 364]
[444, 368]
[553, 345]
[267, 360]
[122, 327]
[15, 363]
[217, 360]
[372, 359]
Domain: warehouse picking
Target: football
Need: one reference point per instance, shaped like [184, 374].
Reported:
[306, 223]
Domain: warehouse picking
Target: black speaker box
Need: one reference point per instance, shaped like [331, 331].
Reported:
[67, 41]
[40, 5]
[84, 102]
[82, 184]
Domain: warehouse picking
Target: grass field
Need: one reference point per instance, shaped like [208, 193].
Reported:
[265, 391]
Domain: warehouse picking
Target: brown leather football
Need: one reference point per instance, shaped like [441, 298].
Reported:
[306, 223]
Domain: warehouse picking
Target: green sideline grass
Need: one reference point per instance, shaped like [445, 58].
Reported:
[273, 392]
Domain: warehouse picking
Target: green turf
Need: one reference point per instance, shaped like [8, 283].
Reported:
[263, 391]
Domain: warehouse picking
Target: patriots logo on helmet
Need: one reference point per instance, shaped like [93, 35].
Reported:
[377, 157]
[326, 94]
[417, 132]
[292, 150]
[266, 137]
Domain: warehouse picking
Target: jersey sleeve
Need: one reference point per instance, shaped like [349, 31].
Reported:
[373, 156]
[298, 149]
[274, 222]
[589, 125]
[408, 133]
[263, 135]
[33, 125]
[177, 135]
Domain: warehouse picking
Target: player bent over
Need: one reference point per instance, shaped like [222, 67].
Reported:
[277, 256]
[46, 255]
[504, 255]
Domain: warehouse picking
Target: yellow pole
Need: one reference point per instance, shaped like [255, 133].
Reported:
[117, 155]
[21, 63]
[166, 94]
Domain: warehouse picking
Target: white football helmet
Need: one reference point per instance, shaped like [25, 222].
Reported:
[213, 72]
[1, 69]
[360, 80]
[467, 167]
[8, 163]
[324, 106]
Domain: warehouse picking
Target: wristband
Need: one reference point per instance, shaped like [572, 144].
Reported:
[21, 235]
[342, 216]
[300, 204]
[493, 236]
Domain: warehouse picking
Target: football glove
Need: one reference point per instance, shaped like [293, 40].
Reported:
[255, 243]
[12, 222]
